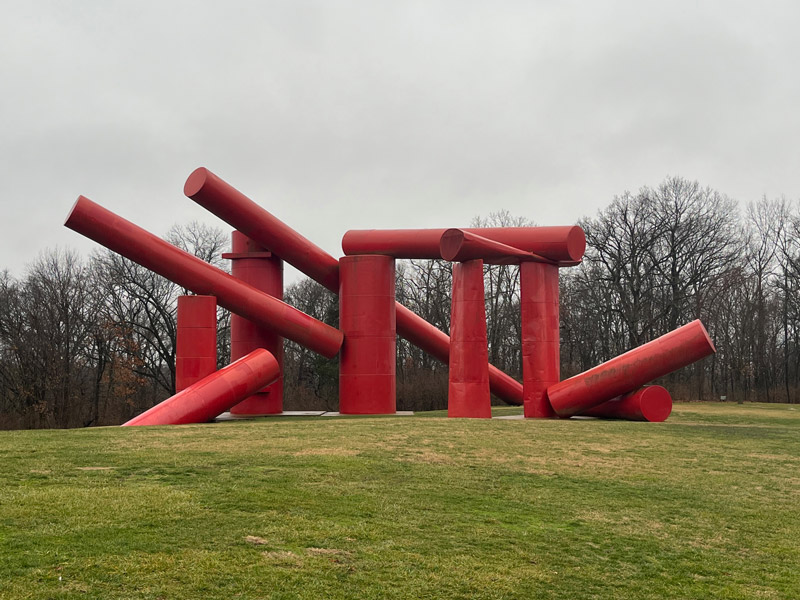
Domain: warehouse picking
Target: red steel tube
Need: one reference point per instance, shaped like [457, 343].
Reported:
[367, 362]
[214, 394]
[196, 340]
[560, 244]
[256, 266]
[239, 211]
[458, 245]
[468, 386]
[631, 370]
[540, 337]
[161, 257]
[651, 403]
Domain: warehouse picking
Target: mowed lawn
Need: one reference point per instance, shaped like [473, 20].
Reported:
[706, 505]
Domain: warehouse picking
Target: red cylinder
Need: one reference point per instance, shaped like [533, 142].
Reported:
[564, 245]
[196, 340]
[631, 370]
[214, 394]
[650, 403]
[460, 245]
[468, 390]
[161, 257]
[241, 212]
[540, 336]
[367, 361]
[256, 266]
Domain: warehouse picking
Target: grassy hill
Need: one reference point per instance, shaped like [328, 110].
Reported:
[704, 505]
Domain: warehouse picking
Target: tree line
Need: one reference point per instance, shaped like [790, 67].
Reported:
[92, 341]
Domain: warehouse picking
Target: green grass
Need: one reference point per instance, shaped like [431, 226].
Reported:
[704, 505]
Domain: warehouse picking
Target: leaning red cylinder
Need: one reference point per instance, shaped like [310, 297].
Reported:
[367, 384]
[216, 393]
[459, 245]
[540, 337]
[631, 370]
[239, 211]
[651, 403]
[559, 244]
[256, 266]
[161, 257]
[468, 392]
[196, 340]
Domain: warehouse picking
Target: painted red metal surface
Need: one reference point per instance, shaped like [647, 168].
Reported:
[468, 390]
[367, 318]
[152, 252]
[651, 403]
[236, 209]
[631, 370]
[214, 394]
[458, 245]
[196, 340]
[256, 266]
[241, 212]
[564, 245]
[540, 337]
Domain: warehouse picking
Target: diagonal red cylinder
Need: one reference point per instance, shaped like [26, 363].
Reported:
[150, 251]
[564, 245]
[239, 211]
[651, 403]
[631, 370]
[213, 395]
[458, 245]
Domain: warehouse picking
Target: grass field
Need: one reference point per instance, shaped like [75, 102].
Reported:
[706, 505]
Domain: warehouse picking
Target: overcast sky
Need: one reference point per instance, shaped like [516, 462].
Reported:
[339, 115]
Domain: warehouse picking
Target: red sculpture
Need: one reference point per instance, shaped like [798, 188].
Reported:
[370, 318]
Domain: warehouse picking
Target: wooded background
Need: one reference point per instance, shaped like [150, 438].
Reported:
[91, 341]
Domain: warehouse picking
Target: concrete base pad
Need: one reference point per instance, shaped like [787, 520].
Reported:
[399, 413]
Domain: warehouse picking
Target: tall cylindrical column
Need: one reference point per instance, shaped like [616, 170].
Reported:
[540, 336]
[631, 370]
[651, 403]
[367, 318]
[196, 343]
[468, 392]
[258, 267]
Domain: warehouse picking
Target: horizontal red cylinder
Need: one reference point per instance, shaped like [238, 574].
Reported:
[239, 211]
[631, 370]
[458, 245]
[161, 257]
[214, 394]
[559, 244]
[652, 403]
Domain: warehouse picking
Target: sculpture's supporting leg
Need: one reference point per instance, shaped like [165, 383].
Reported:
[215, 394]
[196, 343]
[651, 403]
[367, 318]
[540, 336]
[258, 267]
[631, 370]
[468, 392]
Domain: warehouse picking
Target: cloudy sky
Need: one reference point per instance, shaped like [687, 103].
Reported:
[371, 114]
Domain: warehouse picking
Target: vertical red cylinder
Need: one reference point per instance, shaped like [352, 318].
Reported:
[196, 343]
[367, 319]
[540, 337]
[258, 267]
[468, 392]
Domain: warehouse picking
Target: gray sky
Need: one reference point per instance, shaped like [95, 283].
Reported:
[340, 115]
